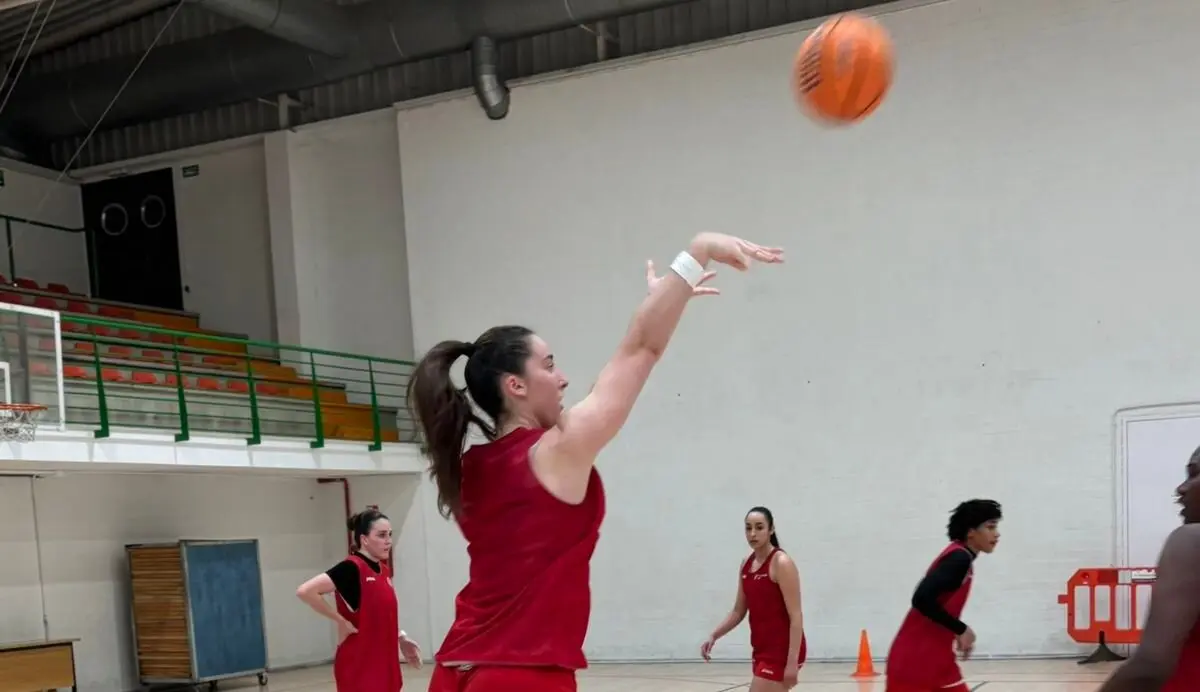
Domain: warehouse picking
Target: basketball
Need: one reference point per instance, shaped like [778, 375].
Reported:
[843, 70]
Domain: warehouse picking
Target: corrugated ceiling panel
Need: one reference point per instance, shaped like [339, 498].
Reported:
[134, 38]
[693, 22]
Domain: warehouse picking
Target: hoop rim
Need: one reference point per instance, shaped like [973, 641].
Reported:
[26, 408]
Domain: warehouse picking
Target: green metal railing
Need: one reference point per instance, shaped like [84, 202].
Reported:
[121, 374]
[9, 238]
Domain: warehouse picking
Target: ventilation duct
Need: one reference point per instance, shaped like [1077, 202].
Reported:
[244, 64]
[317, 25]
[489, 88]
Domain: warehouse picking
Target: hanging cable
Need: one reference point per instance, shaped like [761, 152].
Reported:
[13, 87]
[116, 97]
[20, 44]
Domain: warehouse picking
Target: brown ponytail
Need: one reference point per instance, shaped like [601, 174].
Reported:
[442, 413]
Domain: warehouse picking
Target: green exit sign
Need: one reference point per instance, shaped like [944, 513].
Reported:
[189, 171]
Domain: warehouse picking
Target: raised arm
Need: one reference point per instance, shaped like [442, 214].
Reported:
[571, 447]
[732, 620]
[1174, 613]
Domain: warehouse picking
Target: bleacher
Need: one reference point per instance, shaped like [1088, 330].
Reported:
[134, 367]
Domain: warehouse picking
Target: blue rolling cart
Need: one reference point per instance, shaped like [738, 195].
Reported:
[197, 612]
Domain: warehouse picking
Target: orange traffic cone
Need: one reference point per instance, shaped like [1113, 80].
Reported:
[866, 667]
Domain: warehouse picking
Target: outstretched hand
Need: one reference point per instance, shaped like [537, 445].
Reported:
[653, 278]
[735, 252]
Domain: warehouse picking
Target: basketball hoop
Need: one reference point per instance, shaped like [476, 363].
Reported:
[18, 422]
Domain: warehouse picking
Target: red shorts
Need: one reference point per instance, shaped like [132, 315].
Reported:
[501, 679]
[906, 687]
[769, 670]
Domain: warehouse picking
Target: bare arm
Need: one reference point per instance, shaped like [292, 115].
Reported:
[571, 446]
[313, 593]
[1174, 613]
[788, 578]
[735, 616]
[591, 424]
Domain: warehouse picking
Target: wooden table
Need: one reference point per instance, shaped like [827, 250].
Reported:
[40, 665]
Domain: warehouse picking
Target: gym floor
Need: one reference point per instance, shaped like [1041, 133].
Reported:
[991, 676]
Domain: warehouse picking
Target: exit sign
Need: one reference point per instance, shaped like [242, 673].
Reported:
[189, 171]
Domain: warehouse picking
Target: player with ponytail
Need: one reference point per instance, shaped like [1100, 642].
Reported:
[769, 592]
[529, 501]
[370, 641]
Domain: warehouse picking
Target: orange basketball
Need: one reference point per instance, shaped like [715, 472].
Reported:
[843, 69]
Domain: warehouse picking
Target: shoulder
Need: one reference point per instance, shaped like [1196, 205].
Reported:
[959, 560]
[782, 564]
[349, 565]
[1183, 545]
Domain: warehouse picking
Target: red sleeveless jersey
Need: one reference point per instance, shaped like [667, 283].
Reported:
[528, 598]
[369, 660]
[1187, 670]
[770, 624]
[923, 651]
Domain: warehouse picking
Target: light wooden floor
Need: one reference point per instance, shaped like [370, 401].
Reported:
[992, 676]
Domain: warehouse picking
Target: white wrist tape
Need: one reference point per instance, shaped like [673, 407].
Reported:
[688, 268]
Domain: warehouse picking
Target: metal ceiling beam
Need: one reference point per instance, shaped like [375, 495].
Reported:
[315, 24]
[244, 64]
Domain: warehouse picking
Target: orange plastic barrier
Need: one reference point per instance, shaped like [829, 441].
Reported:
[1108, 605]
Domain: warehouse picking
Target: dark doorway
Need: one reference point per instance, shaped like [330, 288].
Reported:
[134, 241]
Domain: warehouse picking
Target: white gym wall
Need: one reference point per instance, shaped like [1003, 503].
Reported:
[979, 276]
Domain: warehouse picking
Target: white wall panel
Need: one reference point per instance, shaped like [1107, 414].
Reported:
[84, 522]
[42, 254]
[979, 276]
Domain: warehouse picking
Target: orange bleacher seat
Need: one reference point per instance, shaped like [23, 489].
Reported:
[145, 378]
[45, 303]
[131, 334]
[111, 375]
[76, 372]
[79, 307]
[41, 369]
[26, 283]
[14, 298]
[57, 288]
[207, 383]
[237, 386]
[120, 351]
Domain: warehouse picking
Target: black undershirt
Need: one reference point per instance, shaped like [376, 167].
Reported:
[946, 576]
[345, 579]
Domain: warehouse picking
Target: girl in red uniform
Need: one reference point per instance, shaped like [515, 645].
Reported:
[922, 655]
[1168, 658]
[370, 641]
[529, 501]
[769, 590]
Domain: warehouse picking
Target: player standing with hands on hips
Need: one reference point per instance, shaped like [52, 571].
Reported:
[529, 501]
[370, 641]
